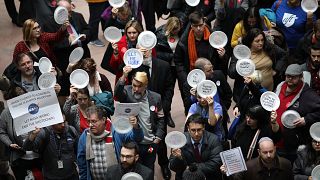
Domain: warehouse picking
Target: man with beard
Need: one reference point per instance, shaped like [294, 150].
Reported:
[313, 66]
[296, 95]
[267, 166]
[150, 117]
[129, 163]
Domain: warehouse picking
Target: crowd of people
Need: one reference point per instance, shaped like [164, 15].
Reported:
[284, 43]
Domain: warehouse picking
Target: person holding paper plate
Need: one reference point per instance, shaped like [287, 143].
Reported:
[131, 32]
[251, 19]
[296, 95]
[267, 57]
[38, 43]
[194, 43]
[308, 157]
[97, 81]
[260, 123]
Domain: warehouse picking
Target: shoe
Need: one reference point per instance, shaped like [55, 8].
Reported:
[166, 173]
[97, 43]
[170, 122]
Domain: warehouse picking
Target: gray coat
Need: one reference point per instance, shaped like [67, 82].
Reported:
[8, 134]
[124, 95]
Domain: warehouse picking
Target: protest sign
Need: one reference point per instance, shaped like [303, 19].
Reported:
[35, 109]
[233, 160]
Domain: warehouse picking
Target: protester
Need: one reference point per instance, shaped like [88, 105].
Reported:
[267, 166]
[151, 115]
[129, 162]
[202, 148]
[95, 149]
[57, 146]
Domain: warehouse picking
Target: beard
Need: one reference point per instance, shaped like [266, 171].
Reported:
[315, 64]
[127, 167]
[137, 96]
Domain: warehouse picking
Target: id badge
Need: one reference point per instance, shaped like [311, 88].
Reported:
[60, 164]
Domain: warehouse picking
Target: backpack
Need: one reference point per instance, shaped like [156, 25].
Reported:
[105, 100]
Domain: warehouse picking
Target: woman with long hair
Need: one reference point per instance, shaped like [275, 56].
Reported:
[37, 43]
[257, 119]
[250, 20]
[268, 58]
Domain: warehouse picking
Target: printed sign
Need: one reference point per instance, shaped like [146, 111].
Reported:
[233, 160]
[35, 109]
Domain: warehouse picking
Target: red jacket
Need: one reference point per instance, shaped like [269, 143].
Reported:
[44, 42]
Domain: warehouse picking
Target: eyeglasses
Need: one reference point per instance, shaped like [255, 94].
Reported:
[315, 142]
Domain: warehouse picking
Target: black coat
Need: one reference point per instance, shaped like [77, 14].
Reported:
[115, 172]
[210, 154]
[163, 49]
[161, 81]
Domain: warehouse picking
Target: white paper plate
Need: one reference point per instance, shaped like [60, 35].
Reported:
[30, 155]
[288, 117]
[47, 80]
[218, 39]
[175, 139]
[112, 34]
[195, 77]
[60, 15]
[121, 125]
[316, 173]
[206, 88]
[270, 101]
[75, 41]
[76, 55]
[79, 78]
[116, 3]
[242, 52]
[192, 2]
[245, 67]
[315, 132]
[147, 40]
[131, 176]
[45, 65]
[309, 5]
[133, 57]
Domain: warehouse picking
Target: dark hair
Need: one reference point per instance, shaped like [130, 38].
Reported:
[316, 26]
[252, 12]
[311, 155]
[193, 173]
[267, 46]
[100, 111]
[195, 17]
[20, 56]
[131, 145]
[195, 118]
[13, 91]
[257, 113]
[84, 91]
[315, 46]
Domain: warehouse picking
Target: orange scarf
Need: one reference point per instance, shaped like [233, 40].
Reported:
[192, 50]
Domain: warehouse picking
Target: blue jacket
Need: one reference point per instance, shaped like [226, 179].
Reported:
[118, 139]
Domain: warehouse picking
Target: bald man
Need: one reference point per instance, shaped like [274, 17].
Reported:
[266, 166]
[150, 117]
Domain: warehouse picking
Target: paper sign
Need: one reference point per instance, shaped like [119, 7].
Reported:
[233, 160]
[126, 109]
[35, 109]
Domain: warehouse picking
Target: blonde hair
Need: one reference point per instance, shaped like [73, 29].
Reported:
[257, 77]
[135, 24]
[125, 9]
[27, 29]
[172, 24]
[141, 77]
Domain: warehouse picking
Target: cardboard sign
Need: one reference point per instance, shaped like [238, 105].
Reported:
[233, 160]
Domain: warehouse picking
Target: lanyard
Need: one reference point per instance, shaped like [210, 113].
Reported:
[57, 146]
